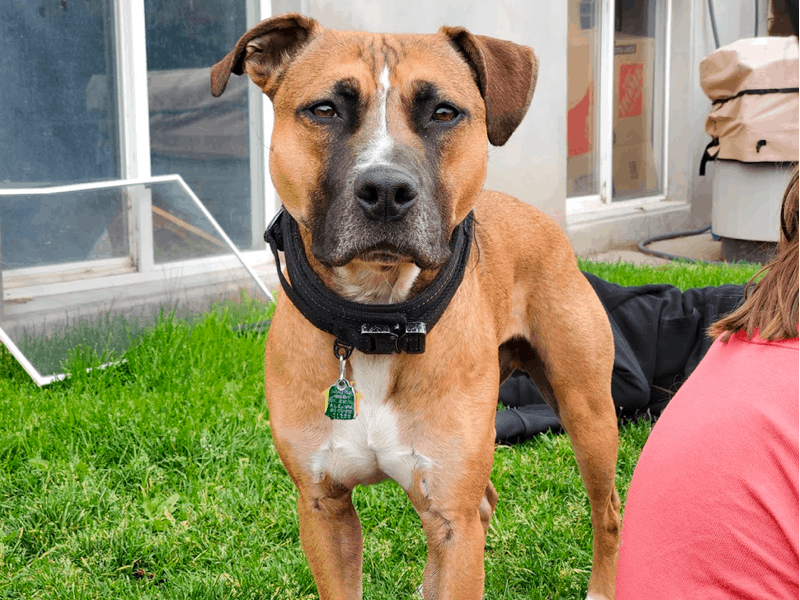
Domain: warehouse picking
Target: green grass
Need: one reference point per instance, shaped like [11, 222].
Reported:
[157, 478]
[680, 274]
[104, 338]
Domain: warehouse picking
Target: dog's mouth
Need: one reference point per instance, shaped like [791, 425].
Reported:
[385, 256]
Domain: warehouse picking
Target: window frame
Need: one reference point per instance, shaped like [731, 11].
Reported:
[133, 119]
[603, 201]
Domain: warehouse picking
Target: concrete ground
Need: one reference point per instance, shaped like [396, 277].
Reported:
[701, 247]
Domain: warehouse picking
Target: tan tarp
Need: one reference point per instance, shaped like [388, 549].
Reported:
[753, 86]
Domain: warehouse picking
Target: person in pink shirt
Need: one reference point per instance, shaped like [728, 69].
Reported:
[712, 510]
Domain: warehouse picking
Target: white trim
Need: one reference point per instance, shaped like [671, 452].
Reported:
[23, 360]
[624, 223]
[263, 197]
[578, 204]
[258, 204]
[605, 93]
[134, 106]
[134, 111]
[15, 278]
[603, 211]
[271, 201]
[171, 270]
[667, 87]
[95, 185]
[255, 145]
[139, 202]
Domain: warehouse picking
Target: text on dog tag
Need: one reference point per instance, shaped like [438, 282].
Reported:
[341, 401]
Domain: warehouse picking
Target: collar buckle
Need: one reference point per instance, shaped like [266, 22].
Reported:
[390, 339]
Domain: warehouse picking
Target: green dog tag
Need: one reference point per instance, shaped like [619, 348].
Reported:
[341, 401]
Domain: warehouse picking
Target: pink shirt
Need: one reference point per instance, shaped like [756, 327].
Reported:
[712, 510]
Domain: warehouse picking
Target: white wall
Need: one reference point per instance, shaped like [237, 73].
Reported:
[532, 165]
[693, 40]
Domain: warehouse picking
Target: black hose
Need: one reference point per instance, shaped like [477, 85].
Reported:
[756, 33]
[642, 246]
[713, 22]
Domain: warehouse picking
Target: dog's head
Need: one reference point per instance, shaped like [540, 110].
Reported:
[379, 141]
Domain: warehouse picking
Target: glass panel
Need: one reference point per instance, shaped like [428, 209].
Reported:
[49, 310]
[638, 98]
[582, 56]
[58, 122]
[180, 229]
[62, 228]
[204, 139]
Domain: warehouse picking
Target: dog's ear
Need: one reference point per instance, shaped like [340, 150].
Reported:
[506, 75]
[264, 51]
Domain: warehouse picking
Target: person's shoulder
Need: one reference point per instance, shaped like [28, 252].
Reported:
[742, 338]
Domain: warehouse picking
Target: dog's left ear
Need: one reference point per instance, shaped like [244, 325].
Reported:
[506, 75]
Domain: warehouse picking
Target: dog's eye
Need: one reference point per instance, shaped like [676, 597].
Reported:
[324, 110]
[444, 114]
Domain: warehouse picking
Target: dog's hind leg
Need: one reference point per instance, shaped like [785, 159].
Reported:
[571, 363]
[590, 421]
[594, 440]
[330, 533]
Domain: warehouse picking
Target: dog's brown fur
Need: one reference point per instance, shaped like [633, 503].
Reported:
[522, 304]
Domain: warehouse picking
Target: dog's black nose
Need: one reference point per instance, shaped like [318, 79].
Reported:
[385, 192]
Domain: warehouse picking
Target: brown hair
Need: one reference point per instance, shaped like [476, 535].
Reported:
[770, 305]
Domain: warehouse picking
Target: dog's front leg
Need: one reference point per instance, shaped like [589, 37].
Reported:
[330, 533]
[455, 556]
[455, 519]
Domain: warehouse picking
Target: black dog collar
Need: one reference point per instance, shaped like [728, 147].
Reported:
[369, 328]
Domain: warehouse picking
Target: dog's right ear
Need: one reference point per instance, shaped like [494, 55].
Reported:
[264, 52]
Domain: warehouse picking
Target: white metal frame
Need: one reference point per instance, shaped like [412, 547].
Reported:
[32, 371]
[109, 277]
[602, 202]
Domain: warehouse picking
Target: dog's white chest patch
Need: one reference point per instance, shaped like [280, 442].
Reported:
[368, 448]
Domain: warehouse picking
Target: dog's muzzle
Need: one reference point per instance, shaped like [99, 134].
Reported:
[386, 192]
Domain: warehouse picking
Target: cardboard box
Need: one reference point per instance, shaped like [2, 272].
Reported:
[633, 89]
[581, 179]
[634, 170]
[580, 86]
[633, 166]
[580, 175]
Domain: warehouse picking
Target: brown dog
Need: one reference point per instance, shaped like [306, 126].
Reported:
[379, 155]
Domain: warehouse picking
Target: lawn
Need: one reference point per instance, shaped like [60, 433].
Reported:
[157, 478]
